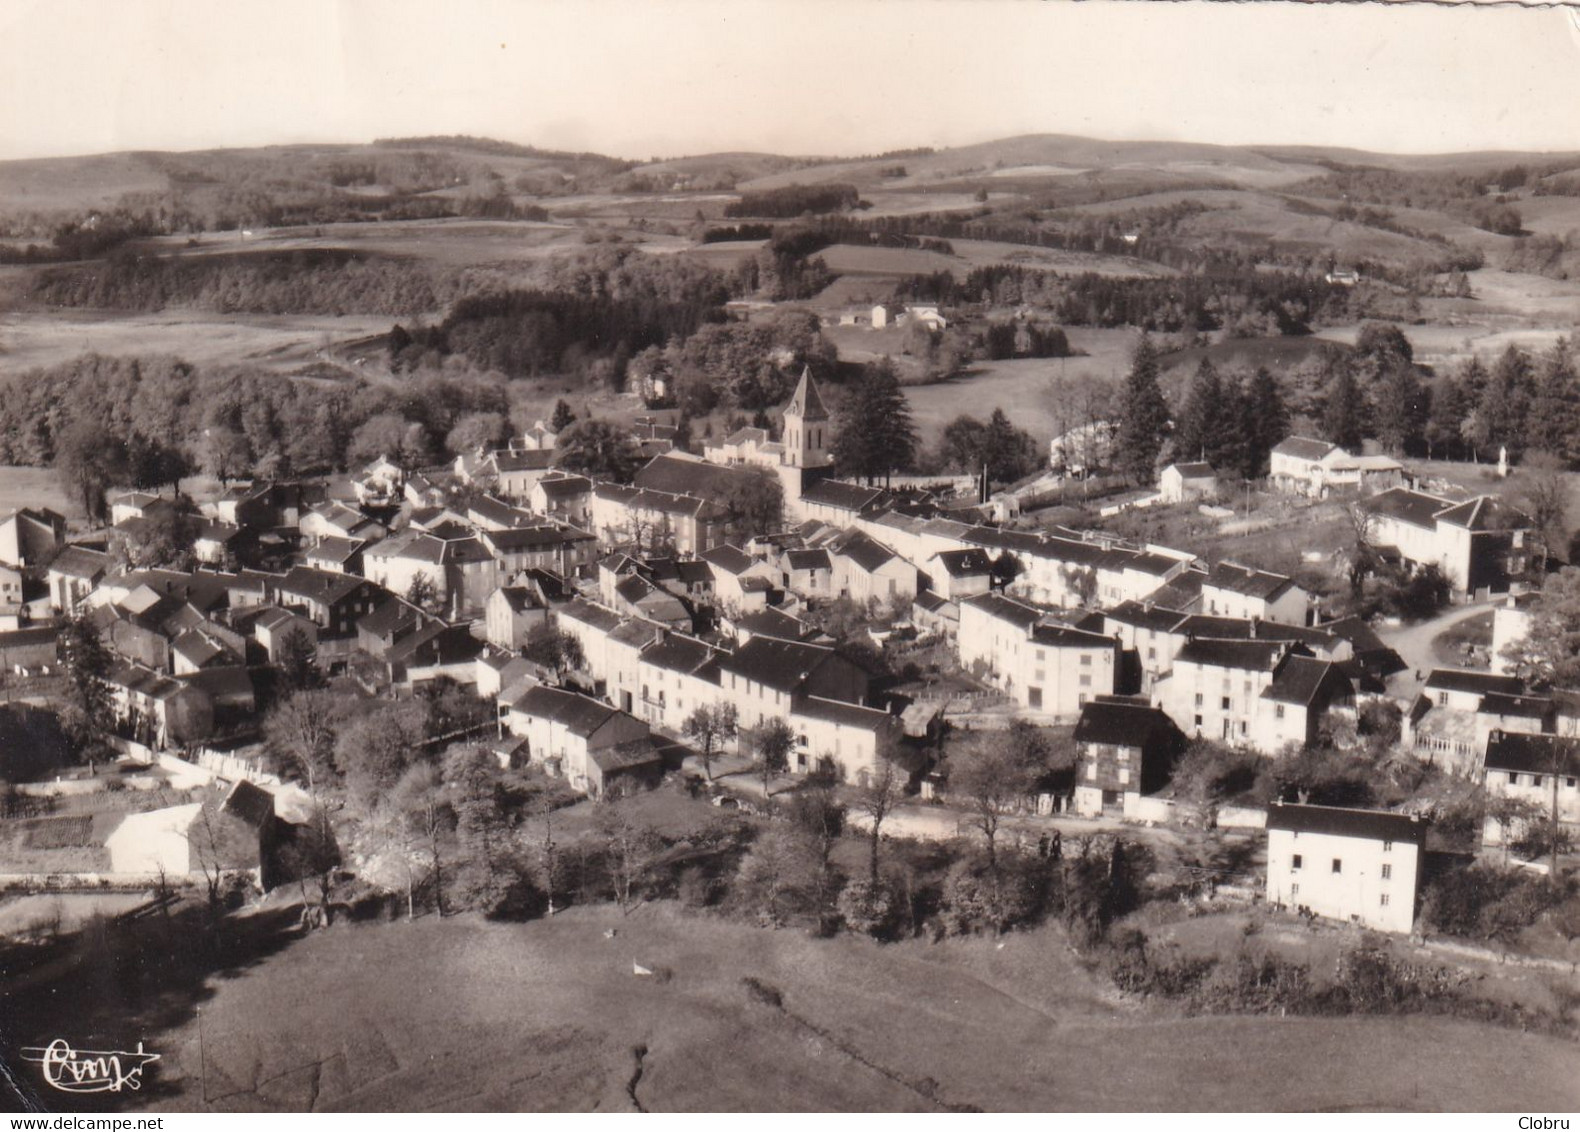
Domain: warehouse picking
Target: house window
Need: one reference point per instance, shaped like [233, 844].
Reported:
[1042, 654]
[1382, 900]
[1198, 704]
[1244, 727]
[1570, 783]
[1294, 890]
[1086, 681]
[1034, 697]
[1152, 654]
[1387, 872]
[1225, 703]
[1086, 660]
[1198, 723]
[1338, 866]
[800, 740]
[1514, 779]
[1387, 847]
[1442, 699]
[1278, 711]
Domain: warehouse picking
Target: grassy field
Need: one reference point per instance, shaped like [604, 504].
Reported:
[34, 487]
[547, 1016]
[33, 339]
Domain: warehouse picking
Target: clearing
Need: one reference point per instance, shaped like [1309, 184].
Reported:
[34, 487]
[548, 1016]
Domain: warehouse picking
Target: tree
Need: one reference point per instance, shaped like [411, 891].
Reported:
[1402, 409]
[85, 661]
[225, 453]
[819, 818]
[710, 726]
[300, 730]
[563, 418]
[1201, 416]
[1265, 422]
[1143, 416]
[1546, 498]
[1380, 345]
[298, 662]
[1500, 415]
[883, 790]
[874, 433]
[1445, 423]
[752, 502]
[771, 743]
[1555, 406]
[422, 592]
[628, 850]
[162, 540]
[312, 855]
[474, 431]
[1548, 656]
[992, 773]
[380, 435]
[554, 649]
[1009, 453]
[418, 804]
[598, 449]
[375, 749]
[471, 775]
[88, 459]
[1344, 410]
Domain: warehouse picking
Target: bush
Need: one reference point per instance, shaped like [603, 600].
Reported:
[975, 900]
[1481, 902]
[870, 909]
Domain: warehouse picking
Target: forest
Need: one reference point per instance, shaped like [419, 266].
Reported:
[794, 200]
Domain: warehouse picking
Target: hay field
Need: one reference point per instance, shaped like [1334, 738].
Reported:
[547, 1016]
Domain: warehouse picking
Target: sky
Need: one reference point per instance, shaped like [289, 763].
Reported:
[644, 78]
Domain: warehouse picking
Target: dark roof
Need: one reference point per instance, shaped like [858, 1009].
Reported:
[525, 538]
[1121, 723]
[1484, 513]
[1302, 448]
[498, 511]
[249, 802]
[805, 401]
[80, 562]
[681, 475]
[844, 496]
[1529, 707]
[1375, 825]
[1414, 507]
[1006, 609]
[677, 653]
[809, 559]
[589, 614]
[1249, 655]
[390, 617]
[335, 549]
[730, 559]
[1298, 679]
[22, 638]
[772, 623]
[866, 552]
[1066, 637]
[578, 714]
[234, 682]
[931, 602]
[1458, 680]
[556, 487]
[774, 663]
[843, 714]
[519, 598]
[1195, 470]
[529, 460]
[629, 755]
[1247, 580]
[1153, 617]
[1510, 750]
[971, 561]
[434, 644]
[319, 585]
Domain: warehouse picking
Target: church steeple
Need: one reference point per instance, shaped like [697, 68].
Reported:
[806, 425]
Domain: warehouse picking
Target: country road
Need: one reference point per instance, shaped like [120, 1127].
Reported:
[1413, 643]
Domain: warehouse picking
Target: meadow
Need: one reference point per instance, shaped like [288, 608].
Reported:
[549, 1016]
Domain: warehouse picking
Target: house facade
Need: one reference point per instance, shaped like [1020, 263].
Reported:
[1359, 866]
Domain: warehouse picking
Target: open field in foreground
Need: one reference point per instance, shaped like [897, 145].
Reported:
[548, 1016]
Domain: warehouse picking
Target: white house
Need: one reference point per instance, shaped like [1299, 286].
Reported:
[1233, 590]
[157, 841]
[1046, 666]
[1524, 766]
[1360, 866]
[1178, 483]
[564, 731]
[1317, 468]
[1511, 622]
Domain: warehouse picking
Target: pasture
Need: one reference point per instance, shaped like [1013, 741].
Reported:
[31, 339]
[548, 1016]
[34, 487]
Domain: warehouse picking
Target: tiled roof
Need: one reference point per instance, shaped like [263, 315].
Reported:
[1537, 754]
[843, 714]
[1459, 680]
[1123, 722]
[777, 664]
[1246, 655]
[1303, 448]
[578, 714]
[1298, 679]
[1413, 507]
[1374, 825]
[1248, 581]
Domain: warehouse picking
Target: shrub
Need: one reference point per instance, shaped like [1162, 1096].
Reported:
[869, 909]
[975, 899]
[1481, 902]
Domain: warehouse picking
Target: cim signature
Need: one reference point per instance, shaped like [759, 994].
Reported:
[90, 1070]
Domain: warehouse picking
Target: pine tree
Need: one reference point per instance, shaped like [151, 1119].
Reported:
[1504, 403]
[1401, 409]
[1265, 422]
[1445, 424]
[1343, 410]
[875, 435]
[1143, 417]
[1226, 443]
[1201, 414]
[1555, 406]
[563, 417]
